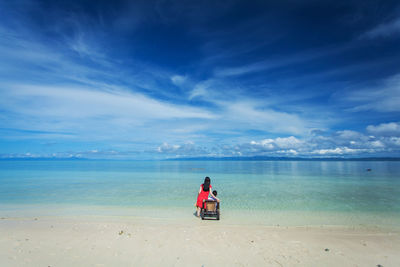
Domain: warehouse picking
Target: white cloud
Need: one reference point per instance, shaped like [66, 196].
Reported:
[288, 142]
[338, 151]
[348, 134]
[289, 152]
[167, 148]
[178, 79]
[385, 129]
[377, 144]
[187, 149]
[267, 144]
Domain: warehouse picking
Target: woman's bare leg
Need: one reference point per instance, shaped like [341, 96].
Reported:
[198, 211]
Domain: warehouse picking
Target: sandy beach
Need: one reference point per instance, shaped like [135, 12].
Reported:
[141, 241]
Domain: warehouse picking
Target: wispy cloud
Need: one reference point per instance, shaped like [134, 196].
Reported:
[280, 62]
[93, 114]
[384, 97]
[384, 30]
[238, 110]
[84, 102]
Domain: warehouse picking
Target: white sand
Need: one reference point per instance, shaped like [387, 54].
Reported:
[135, 241]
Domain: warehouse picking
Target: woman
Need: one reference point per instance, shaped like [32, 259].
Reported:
[204, 191]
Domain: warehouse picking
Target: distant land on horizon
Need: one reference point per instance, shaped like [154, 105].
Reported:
[264, 158]
[254, 158]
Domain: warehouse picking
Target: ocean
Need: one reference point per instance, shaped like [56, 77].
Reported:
[262, 192]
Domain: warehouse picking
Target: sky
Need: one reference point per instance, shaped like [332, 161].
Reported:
[158, 79]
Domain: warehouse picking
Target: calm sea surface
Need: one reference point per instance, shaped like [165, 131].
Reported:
[248, 187]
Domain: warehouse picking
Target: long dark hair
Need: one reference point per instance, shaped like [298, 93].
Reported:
[206, 185]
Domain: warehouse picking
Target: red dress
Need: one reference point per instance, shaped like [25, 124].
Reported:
[202, 196]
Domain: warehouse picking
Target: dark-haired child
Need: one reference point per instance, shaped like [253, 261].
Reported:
[213, 196]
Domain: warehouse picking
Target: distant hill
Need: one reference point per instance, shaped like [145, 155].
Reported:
[263, 158]
[255, 158]
[38, 158]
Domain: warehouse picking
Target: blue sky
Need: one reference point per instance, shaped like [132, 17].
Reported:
[165, 79]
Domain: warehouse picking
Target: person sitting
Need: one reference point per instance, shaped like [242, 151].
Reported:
[213, 196]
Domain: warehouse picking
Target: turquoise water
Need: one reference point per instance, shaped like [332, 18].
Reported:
[253, 186]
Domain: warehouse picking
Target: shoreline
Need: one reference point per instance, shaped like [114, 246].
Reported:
[389, 221]
[142, 241]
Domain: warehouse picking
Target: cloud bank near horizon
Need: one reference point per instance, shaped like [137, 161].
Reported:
[381, 140]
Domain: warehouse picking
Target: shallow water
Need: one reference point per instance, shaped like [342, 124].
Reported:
[255, 188]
